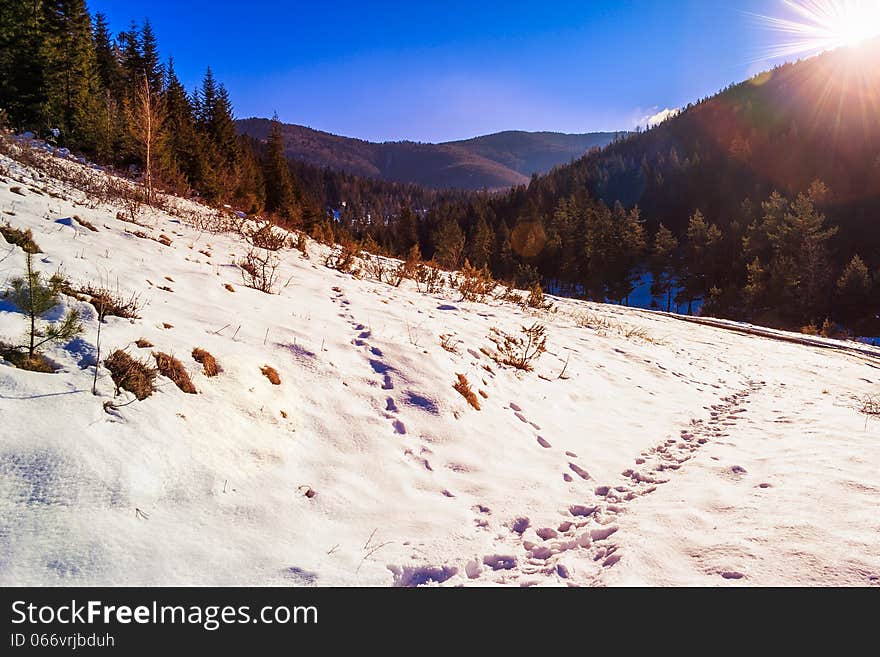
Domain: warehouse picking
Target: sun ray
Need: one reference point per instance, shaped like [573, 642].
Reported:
[813, 26]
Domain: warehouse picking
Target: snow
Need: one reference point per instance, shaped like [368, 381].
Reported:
[675, 454]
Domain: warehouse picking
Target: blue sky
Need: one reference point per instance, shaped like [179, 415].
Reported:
[437, 71]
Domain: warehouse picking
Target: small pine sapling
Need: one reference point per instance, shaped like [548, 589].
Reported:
[35, 299]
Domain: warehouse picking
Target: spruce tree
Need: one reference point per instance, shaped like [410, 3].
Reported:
[663, 264]
[276, 173]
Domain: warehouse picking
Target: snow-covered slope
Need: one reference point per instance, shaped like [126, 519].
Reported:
[668, 453]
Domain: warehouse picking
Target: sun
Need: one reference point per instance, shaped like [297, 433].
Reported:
[813, 26]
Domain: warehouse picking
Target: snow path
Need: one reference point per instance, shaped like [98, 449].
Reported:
[671, 453]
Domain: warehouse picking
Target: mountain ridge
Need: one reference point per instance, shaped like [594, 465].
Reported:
[497, 161]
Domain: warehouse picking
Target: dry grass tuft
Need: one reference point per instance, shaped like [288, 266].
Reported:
[135, 376]
[143, 343]
[272, 374]
[209, 364]
[173, 369]
[112, 304]
[21, 360]
[85, 224]
[22, 238]
[464, 389]
[229, 287]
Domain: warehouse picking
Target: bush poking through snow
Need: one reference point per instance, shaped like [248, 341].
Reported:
[474, 284]
[272, 374]
[143, 343]
[520, 352]
[449, 343]
[36, 299]
[209, 364]
[537, 300]
[870, 406]
[429, 278]
[135, 376]
[22, 238]
[264, 236]
[464, 389]
[173, 369]
[113, 304]
[342, 258]
[260, 271]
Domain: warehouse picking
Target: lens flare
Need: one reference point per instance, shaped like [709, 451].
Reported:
[814, 26]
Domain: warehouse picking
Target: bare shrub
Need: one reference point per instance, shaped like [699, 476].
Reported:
[272, 374]
[209, 364]
[408, 268]
[449, 343]
[429, 278]
[135, 376]
[342, 258]
[519, 352]
[870, 406]
[377, 267]
[464, 389]
[264, 236]
[112, 304]
[301, 244]
[260, 271]
[510, 294]
[173, 369]
[143, 343]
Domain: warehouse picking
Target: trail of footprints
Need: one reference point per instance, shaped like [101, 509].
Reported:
[540, 552]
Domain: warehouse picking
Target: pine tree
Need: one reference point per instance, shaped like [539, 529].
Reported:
[105, 55]
[854, 289]
[71, 77]
[36, 299]
[22, 64]
[184, 147]
[449, 244]
[479, 246]
[151, 65]
[276, 173]
[700, 256]
[663, 264]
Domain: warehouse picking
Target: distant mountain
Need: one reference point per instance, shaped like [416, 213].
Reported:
[494, 161]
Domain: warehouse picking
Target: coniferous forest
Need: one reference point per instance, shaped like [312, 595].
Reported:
[757, 204]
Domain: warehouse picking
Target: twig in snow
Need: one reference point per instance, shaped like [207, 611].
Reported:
[565, 367]
[217, 332]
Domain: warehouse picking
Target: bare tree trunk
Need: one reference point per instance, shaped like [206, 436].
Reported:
[146, 123]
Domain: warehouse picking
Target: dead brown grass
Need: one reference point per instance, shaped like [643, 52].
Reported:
[173, 369]
[21, 360]
[210, 366]
[272, 374]
[143, 343]
[135, 376]
[463, 387]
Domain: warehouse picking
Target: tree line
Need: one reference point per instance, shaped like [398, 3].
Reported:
[721, 207]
